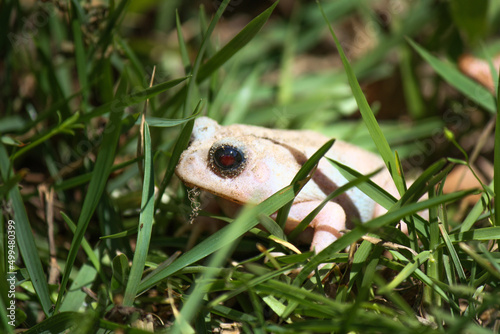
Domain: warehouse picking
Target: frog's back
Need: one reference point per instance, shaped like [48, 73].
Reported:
[308, 142]
[292, 138]
[328, 177]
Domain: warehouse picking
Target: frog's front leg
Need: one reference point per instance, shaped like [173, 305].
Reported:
[327, 224]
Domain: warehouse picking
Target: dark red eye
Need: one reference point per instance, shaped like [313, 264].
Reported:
[226, 160]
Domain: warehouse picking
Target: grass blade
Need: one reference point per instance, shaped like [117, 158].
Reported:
[221, 238]
[25, 239]
[367, 114]
[102, 169]
[380, 195]
[75, 299]
[302, 177]
[420, 259]
[453, 254]
[157, 122]
[480, 234]
[390, 217]
[59, 323]
[337, 192]
[480, 260]
[192, 304]
[65, 126]
[85, 245]
[200, 56]
[131, 99]
[145, 223]
[226, 53]
[235, 45]
[84, 178]
[4, 324]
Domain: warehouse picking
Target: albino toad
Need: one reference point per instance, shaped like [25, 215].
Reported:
[243, 163]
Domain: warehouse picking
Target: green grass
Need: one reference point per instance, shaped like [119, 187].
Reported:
[74, 85]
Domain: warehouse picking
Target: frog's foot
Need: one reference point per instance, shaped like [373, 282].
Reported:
[327, 223]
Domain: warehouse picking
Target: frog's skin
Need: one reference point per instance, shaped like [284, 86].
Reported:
[271, 158]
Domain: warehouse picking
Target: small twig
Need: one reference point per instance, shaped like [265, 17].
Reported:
[388, 244]
[90, 293]
[140, 142]
[47, 197]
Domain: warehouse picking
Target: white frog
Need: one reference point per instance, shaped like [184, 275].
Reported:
[247, 164]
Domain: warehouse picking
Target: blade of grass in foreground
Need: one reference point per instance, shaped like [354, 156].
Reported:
[474, 214]
[415, 263]
[157, 122]
[86, 246]
[367, 114]
[193, 302]
[145, 223]
[381, 196]
[24, 238]
[77, 293]
[65, 127]
[102, 169]
[482, 261]
[337, 192]
[222, 237]
[453, 255]
[358, 232]
[4, 324]
[302, 177]
[389, 217]
[57, 324]
[84, 178]
[480, 234]
[8, 185]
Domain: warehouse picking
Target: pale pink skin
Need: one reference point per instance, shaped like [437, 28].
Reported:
[273, 159]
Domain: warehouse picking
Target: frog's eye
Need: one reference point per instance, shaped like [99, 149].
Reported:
[226, 160]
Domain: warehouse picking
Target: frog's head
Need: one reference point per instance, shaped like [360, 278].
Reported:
[235, 162]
